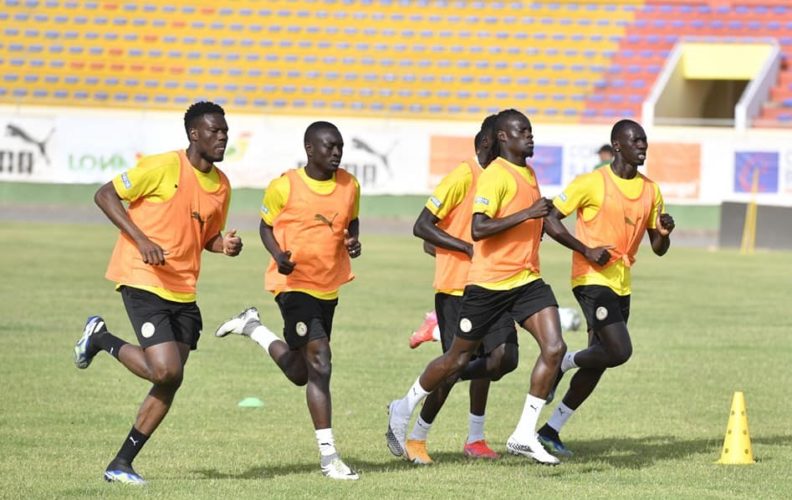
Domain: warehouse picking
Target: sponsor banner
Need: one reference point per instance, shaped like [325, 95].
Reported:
[547, 163]
[755, 171]
[676, 167]
[96, 149]
[388, 156]
[385, 160]
[445, 154]
[579, 158]
[786, 172]
[26, 146]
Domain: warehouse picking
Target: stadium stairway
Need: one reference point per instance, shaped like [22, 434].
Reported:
[659, 25]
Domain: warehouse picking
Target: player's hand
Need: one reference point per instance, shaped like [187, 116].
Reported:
[665, 224]
[598, 255]
[352, 244]
[469, 249]
[540, 208]
[152, 253]
[285, 265]
[232, 244]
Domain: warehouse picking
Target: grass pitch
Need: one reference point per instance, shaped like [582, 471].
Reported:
[704, 324]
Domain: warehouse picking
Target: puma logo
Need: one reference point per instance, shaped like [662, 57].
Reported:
[561, 411]
[197, 216]
[382, 156]
[134, 443]
[325, 220]
[16, 131]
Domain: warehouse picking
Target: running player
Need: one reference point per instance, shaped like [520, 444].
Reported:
[309, 224]
[178, 203]
[503, 280]
[615, 205]
[444, 223]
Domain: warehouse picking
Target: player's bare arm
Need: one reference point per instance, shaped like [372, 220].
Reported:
[556, 230]
[229, 244]
[426, 228]
[484, 226]
[108, 200]
[430, 249]
[282, 259]
[659, 236]
[351, 239]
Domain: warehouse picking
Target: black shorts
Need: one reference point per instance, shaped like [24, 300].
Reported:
[156, 320]
[602, 306]
[305, 317]
[447, 309]
[482, 308]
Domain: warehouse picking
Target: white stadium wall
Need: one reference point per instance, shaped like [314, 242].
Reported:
[693, 165]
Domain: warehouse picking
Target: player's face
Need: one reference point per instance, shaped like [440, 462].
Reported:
[633, 145]
[210, 133]
[517, 136]
[327, 148]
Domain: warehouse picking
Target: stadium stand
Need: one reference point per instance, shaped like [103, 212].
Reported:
[659, 25]
[444, 60]
[562, 61]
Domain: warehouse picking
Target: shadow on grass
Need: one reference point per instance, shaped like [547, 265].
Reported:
[638, 453]
[590, 456]
[388, 463]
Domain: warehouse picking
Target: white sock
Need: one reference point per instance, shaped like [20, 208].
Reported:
[436, 333]
[569, 361]
[560, 416]
[264, 337]
[324, 438]
[526, 427]
[475, 428]
[414, 396]
[420, 430]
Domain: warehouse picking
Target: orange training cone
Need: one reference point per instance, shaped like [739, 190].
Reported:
[737, 444]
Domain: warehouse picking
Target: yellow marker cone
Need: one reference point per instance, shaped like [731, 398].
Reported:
[737, 444]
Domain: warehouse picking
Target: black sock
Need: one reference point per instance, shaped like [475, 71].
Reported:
[106, 341]
[132, 446]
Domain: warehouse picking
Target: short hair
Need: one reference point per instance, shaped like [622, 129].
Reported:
[506, 115]
[622, 125]
[606, 148]
[487, 129]
[315, 127]
[199, 109]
